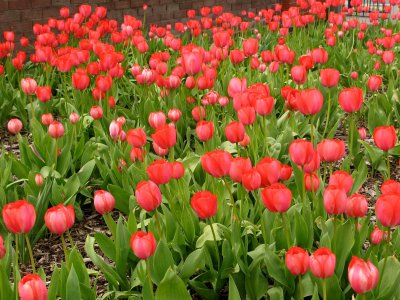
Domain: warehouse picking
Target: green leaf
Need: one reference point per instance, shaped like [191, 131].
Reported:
[122, 248]
[121, 198]
[73, 288]
[233, 291]
[389, 283]
[172, 287]
[207, 235]
[5, 290]
[54, 282]
[106, 245]
[161, 261]
[76, 261]
[275, 293]
[86, 171]
[193, 263]
[276, 268]
[344, 244]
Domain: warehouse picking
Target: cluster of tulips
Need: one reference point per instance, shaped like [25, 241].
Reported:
[235, 149]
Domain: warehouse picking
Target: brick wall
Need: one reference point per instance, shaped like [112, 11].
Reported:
[20, 15]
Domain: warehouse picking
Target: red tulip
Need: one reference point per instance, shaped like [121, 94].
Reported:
[335, 200]
[356, 206]
[297, 261]
[374, 83]
[319, 55]
[385, 137]
[32, 287]
[250, 47]
[286, 172]
[115, 129]
[148, 195]
[322, 263]
[137, 153]
[299, 74]
[47, 119]
[192, 59]
[310, 101]
[351, 99]
[269, 170]
[2, 248]
[362, 132]
[264, 105]
[204, 130]
[136, 137]
[251, 180]
[104, 202]
[174, 114]
[56, 130]
[363, 276]
[301, 152]
[217, 163]
[28, 86]
[178, 170]
[388, 57]
[80, 80]
[159, 171]
[205, 204]
[237, 85]
[235, 132]
[376, 236]
[157, 119]
[74, 118]
[236, 56]
[14, 126]
[60, 218]
[43, 93]
[329, 77]
[143, 244]
[165, 136]
[387, 209]
[239, 166]
[342, 180]
[96, 112]
[331, 150]
[311, 182]
[19, 216]
[390, 187]
[85, 10]
[276, 197]
[314, 164]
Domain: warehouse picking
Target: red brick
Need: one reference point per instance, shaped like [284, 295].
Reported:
[52, 12]
[3, 4]
[10, 16]
[19, 4]
[40, 3]
[122, 4]
[60, 2]
[32, 14]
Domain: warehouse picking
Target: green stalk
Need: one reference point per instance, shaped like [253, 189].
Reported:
[301, 288]
[28, 244]
[234, 213]
[327, 114]
[16, 266]
[215, 244]
[71, 241]
[110, 223]
[149, 278]
[286, 229]
[385, 261]
[324, 289]
[64, 245]
[388, 164]
[158, 223]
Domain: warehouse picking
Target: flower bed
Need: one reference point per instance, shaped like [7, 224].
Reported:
[228, 155]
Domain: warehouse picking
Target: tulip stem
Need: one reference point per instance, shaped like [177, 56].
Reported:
[301, 296]
[234, 216]
[32, 108]
[158, 223]
[71, 241]
[55, 164]
[324, 289]
[64, 245]
[311, 131]
[215, 243]
[388, 164]
[110, 223]
[334, 233]
[385, 261]
[286, 229]
[149, 278]
[327, 114]
[28, 244]
[16, 265]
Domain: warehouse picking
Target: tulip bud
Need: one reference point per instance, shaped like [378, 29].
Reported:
[47, 119]
[297, 261]
[148, 195]
[104, 202]
[178, 170]
[385, 137]
[376, 236]
[204, 130]
[115, 129]
[157, 119]
[60, 218]
[159, 171]
[31, 286]
[362, 133]
[96, 112]
[217, 163]
[39, 179]
[74, 118]
[204, 203]
[276, 197]
[322, 263]
[363, 276]
[311, 182]
[335, 200]
[14, 126]
[342, 180]
[19, 216]
[56, 130]
[235, 132]
[143, 244]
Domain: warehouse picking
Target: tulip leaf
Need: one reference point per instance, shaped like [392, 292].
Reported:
[86, 171]
[276, 268]
[5, 291]
[389, 281]
[275, 293]
[172, 287]
[54, 283]
[162, 260]
[122, 247]
[233, 290]
[207, 235]
[344, 244]
[76, 261]
[121, 198]
[73, 289]
[193, 262]
[106, 245]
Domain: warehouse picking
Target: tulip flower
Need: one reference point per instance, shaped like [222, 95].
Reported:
[335, 200]
[43, 93]
[174, 114]
[60, 218]
[74, 118]
[374, 83]
[32, 287]
[14, 126]
[251, 180]
[351, 99]
[299, 74]
[217, 163]
[115, 130]
[103, 201]
[159, 171]
[322, 264]
[192, 59]
[2, 248]
[235, 132]
[285, 172]
[157, 119]
[165, 136]
[356, 206]
[250, 47]
[311, 182]
[204, 203]
[387, 210]
[96, 112]
[342, 180]
[148, 195]
[204, 130]
[136, 137]
[363, 276]
[239, 166]
[390, 187]
[329, 77]
[143, 244]
[269, 170]
[28, 86]
[297, 261]
[178, 170]
[376, 236]
[331, 150]
[301, 152]
[385, 138]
